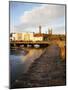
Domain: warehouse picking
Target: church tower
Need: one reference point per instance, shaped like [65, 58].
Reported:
[50, 31]
[40, 29]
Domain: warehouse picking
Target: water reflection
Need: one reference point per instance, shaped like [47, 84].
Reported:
[21, 59]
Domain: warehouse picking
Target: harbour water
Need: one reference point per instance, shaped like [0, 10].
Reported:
[21, 59]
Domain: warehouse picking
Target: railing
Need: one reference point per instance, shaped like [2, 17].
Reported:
[30, 42]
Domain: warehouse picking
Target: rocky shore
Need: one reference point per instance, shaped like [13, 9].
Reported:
[47, 70]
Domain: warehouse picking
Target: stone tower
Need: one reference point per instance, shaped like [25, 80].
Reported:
[50, 31]
[40, 29]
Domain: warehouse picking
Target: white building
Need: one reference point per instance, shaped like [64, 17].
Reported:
[38, 37]
[22, 36]
[27, 36]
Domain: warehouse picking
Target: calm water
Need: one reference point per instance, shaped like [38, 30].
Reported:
[21, 59]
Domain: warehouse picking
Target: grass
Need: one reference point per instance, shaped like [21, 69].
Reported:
[61, 45]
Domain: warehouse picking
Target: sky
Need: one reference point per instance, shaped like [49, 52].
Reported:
[26, 17]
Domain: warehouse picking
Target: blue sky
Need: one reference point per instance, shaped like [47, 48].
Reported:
[26, 17]
[18, 8]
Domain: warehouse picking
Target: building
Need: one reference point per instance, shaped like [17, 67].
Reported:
[18, 36]
[38, 37]
[12, 36]
[25, 36]
[22, 36]
[50, 31]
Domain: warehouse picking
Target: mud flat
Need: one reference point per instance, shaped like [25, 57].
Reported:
[47, 70]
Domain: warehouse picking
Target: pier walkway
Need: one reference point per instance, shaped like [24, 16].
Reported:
[47, 70]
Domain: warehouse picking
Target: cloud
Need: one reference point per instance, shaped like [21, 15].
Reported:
[42, 15]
